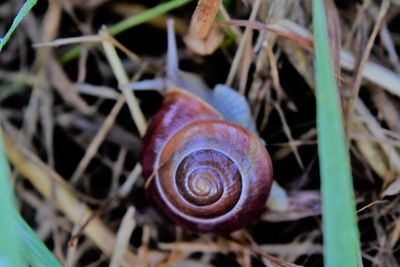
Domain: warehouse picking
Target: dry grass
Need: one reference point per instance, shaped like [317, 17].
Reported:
[73, 136]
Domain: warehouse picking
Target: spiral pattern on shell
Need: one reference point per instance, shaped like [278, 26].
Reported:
[206, 174]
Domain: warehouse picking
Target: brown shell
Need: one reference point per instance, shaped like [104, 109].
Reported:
[206, 174]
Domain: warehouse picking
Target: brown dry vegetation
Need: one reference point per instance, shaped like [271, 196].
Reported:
[73, 142]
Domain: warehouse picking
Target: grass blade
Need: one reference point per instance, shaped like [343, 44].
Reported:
[131, 22]
[18, 241]
[17, 20]
[33, 249]
[341, 237]
[145, 16]
[9, 244]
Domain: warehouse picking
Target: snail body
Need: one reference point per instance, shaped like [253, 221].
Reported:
[205, 173]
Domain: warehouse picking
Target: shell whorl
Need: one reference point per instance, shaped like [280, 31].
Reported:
[207, 174]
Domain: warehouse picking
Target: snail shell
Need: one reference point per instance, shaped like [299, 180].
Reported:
[205, 173]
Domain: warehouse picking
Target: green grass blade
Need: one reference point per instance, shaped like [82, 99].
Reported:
[17, 240]
[9, 243]
[145, 16]
[341, 236]
[33, 249]
[17, 20]
[131, 22]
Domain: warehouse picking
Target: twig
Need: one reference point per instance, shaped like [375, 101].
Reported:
[97, 140]
[240, 50]
[122, 79]
[364, 59]
[124, 233]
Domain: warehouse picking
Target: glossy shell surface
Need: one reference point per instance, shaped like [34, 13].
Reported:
[205, 173]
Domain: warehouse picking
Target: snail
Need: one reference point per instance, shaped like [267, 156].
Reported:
[206, 173]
